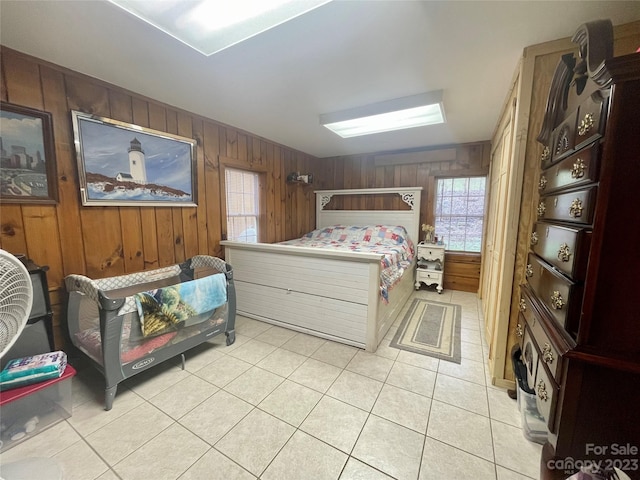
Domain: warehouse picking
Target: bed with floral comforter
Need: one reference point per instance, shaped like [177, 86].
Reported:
[346, 281]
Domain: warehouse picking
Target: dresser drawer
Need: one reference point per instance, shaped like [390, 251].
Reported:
[556, 292]
[546, 395]
[563, 139]
[565, 248]
[548, 351]
[591, 120]
[431, 252]
[576, 206]
[530, 358]
[526, 308]
[578, 169]
[551, 351]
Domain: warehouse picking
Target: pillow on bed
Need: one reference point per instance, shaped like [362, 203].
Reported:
[348, 233]
[375, 234]
[339, 233]
[385, 234]
[316, 234]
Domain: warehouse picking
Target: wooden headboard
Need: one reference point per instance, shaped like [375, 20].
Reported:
[409, 219]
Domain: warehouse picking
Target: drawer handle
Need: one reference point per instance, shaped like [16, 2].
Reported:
[529, 271]
[564, 253]
[547, 354]
[585, 124]
[534, 238]
[542, 183]
[542, 391]
[519, 331]
[522, 305]
[577, 171]
[546, 153]
[542, 208]
[556, 301]
[575, 210]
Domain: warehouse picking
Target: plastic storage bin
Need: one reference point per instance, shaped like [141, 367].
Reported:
[28, 410]
[534, 426]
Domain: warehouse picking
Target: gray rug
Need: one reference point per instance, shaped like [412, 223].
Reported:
[431, 328]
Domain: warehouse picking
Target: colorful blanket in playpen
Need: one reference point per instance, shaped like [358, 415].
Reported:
[167, 309]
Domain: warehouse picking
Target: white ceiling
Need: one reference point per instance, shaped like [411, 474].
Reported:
[341, 55]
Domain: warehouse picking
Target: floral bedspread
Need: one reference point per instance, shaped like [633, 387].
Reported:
[392, 242]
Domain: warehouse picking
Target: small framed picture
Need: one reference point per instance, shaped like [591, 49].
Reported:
[27, 156]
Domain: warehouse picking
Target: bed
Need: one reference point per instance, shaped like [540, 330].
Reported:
[331, 293]
[129, 323]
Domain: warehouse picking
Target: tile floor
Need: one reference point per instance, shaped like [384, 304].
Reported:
[283, 405]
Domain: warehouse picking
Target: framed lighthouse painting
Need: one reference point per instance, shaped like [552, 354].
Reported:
[121, 164]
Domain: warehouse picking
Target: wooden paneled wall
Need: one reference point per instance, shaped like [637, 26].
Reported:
[410, 169]
[105, 241]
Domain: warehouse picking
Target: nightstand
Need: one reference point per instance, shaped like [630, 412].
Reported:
[430, 266]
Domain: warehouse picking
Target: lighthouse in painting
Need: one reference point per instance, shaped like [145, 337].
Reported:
[137, 168]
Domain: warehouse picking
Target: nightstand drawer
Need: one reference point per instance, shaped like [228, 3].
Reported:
[428, 276]
[430, 252]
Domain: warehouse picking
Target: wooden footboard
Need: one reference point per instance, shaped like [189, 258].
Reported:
[398, 296]
[331, 294]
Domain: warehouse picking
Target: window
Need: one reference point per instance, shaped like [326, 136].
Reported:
[243, 205]
[460, 212]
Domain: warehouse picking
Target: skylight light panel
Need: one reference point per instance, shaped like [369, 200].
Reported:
[398, 114]
[210, 26]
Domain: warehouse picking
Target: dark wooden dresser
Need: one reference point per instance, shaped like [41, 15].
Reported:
[580, 306]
